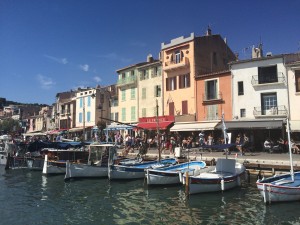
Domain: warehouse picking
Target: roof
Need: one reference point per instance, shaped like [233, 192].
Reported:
[131, 66]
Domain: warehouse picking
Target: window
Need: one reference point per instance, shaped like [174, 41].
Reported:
[80, 117]
[268, 103]
[155, 72]
[297, 80]
[81, 102]
[123, 95]
[211, 89]
[184, 81]
[157, 91]
[171, 83]
[144, 75]
[133, 113]
[144, 93]
[123, 76]
[88, 116]
[123, 114]
[242, 113]
[184, 107]
[212, 112]
[62, 109]
[240, 88]
[89, 101]
[132, 73]
[132, 93]
[267, 74]
[112, 116]
[177, 57]
[171, 108]
[144, 112]
[116, 116]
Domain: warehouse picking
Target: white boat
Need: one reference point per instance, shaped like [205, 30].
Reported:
[137, 170]
[281, 188]
[173, 174]
[55, 159]
[226, 175]
[97, 165]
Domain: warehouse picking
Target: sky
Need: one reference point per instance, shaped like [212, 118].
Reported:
[53, 46]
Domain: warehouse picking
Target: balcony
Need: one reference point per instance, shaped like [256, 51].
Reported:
[278, 111]
[174, 64]
[127, 81]
[212, 98]
[262, 79]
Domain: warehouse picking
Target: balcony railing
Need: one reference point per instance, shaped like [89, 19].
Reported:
[212, 97]
[127, 81]
[277, 111]
[175, 64]
[261, 79]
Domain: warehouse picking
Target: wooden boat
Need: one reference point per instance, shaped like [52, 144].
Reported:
[137, 170]
[97, 165]
[281, 188]
[173, 174]
[55, 159]
[227, 174]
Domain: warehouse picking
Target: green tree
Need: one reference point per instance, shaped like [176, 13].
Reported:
[8, 126]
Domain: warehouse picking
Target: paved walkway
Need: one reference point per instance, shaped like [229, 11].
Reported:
[280, 159]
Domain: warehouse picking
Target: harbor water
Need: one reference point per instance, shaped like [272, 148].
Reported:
[28, 197]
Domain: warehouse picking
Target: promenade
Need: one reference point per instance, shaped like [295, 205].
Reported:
[254, 161]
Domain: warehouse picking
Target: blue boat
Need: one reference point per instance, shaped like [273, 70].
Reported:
[173, 174]
[136, 171]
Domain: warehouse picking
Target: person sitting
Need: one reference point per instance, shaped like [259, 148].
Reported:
[267, 145]
[295, 148]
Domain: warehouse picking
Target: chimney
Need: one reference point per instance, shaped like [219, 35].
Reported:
[149, 58]
[208, 32]
[257, 52]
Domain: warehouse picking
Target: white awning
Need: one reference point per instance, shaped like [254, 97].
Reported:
[295, 125]
[195, 126]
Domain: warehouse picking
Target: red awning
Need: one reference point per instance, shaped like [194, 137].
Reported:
[153, 126]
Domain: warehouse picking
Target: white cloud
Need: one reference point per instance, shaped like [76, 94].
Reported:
[45, 82]
[97, 79]
[84, 67]
[63, 61]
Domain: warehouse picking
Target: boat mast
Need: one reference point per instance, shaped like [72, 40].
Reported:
[290, 148]
[158, 135]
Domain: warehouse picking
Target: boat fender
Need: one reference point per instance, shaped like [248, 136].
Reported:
[148, 177]
[180, 177]
[222, 185]
[238, 180]
[183, 180]
[264, 193]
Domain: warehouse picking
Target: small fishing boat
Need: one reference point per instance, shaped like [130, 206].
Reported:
[97, 165]
[227, 174]
[281, 188]
[55, 159]
[137, 170]
[173, 174]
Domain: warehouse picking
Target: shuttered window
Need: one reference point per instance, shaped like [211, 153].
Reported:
[184, 107]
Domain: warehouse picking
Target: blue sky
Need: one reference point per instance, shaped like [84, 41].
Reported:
[52, 46]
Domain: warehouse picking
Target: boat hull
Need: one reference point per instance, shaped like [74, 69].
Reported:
[136, 171]
[280, 188]
[84, 170]
[53, 167]
[218, 179]
[173, 174]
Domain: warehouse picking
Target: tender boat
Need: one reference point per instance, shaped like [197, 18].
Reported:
[55, 159]
[173, 174]
[281, 188]
[137, 170]
[227, 174]
[97, 165]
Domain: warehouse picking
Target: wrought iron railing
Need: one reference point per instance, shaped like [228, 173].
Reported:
[273, 111]
[267, 79]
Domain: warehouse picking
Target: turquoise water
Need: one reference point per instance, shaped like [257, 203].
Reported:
[27, 197]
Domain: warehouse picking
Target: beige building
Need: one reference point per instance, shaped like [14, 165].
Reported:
[292, 63]
[150, 89]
